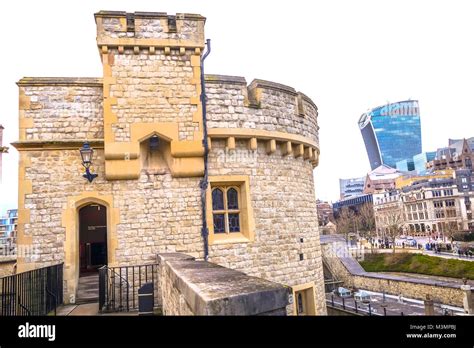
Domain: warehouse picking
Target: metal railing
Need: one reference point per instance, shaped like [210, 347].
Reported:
[349, 305]
[118, 286]
[36, 292]
[357, 309]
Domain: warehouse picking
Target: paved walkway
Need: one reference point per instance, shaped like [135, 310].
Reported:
[447, 255]
[88, 309]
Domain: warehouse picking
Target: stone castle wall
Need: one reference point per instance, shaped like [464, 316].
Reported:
[61, 109]
[152, 88]
[69, 108]
[157, 213]
[151, 85]
[282, 195]
[163, 214]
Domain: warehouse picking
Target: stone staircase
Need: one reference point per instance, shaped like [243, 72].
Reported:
[88, 289]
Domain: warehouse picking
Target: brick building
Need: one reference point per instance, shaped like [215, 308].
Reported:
[325, 212]
[457, 155]
[156, 146]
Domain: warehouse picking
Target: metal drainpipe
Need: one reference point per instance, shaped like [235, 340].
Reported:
[204, 181]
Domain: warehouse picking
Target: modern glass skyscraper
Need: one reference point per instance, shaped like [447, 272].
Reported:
[392, 133]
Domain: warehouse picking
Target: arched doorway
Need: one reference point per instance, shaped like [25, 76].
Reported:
[92, 238]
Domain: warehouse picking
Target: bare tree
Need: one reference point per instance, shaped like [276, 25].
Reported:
[393, 223]
[367, 221]
[345, 222]
[451, 231]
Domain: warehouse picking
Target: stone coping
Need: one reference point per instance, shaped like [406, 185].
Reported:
[210, 289]
[257, 83]
[8, 259]
[60, 81]
[210, 78]
[57, 144]
[308, 99]
[119, 14]
[355, 269]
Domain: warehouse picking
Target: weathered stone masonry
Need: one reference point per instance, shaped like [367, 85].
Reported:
[265, 132]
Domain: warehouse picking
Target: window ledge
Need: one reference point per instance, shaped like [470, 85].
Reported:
[229, 239]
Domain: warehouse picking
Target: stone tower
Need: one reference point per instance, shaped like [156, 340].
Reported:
[151, 86]
[144, 119]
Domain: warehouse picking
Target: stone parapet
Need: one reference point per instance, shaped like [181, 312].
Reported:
[60, 108]
[149, 30]
[191, 287]
[263, 110]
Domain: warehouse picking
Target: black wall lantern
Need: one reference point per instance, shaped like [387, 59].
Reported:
[86, 155]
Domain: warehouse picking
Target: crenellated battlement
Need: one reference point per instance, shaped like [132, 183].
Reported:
[262, 110]
[150, 30]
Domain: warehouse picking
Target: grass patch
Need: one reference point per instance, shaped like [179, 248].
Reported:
[416, 263]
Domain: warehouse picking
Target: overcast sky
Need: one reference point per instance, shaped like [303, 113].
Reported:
[348, 56]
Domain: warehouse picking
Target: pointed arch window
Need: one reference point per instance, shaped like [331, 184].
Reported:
[229, 213]
[225, 209]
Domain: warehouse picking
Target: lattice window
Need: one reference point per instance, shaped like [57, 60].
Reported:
[226, 209]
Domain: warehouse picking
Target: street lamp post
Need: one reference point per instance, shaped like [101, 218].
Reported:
[86, 155]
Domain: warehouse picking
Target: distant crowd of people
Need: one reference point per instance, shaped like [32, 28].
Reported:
[449, 248]
[437, 248]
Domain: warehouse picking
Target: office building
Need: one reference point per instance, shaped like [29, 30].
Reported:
[391, 133]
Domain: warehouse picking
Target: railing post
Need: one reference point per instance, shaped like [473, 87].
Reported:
[370, 309]
[120, 289]
[102, 287]
[112, 290]
[343, 303]
[128, 290]
[384, 311]
[61, 289]
[332, 299]
[357, 311]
